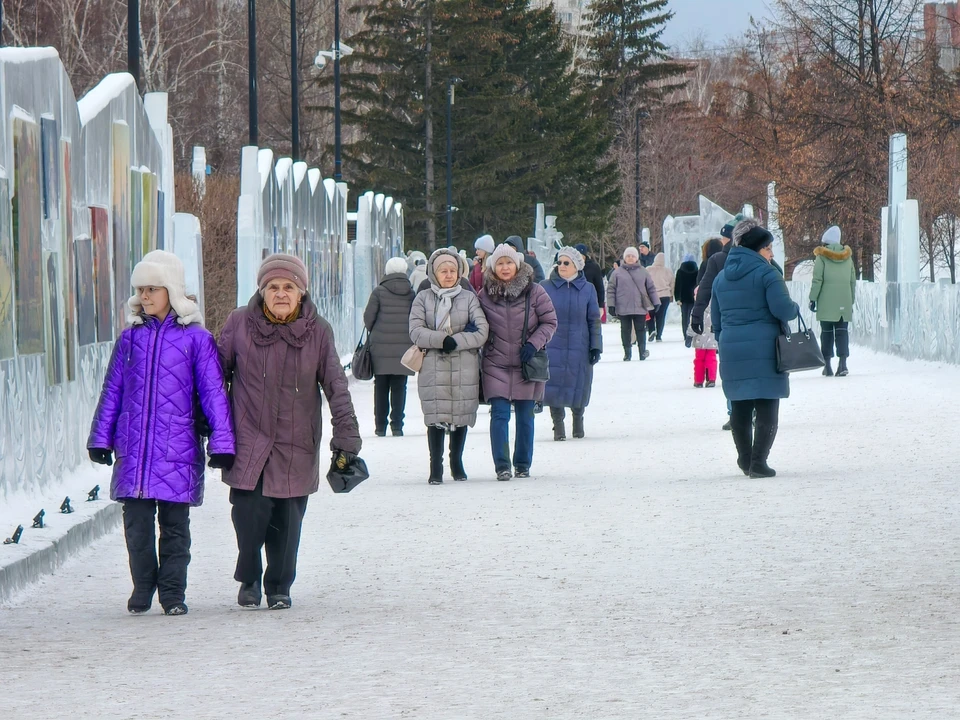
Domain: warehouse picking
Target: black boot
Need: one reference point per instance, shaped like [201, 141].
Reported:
[578, 422]
[435, 442]
[842, 367]
[458, 438]
[250, 595]
[827, 370]
[627, 353]
[559, 431]
[743, 439]
[763, 439]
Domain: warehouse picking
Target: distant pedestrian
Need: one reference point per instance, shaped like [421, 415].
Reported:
[417, 263]
[161, 365]
[387, 319]
[594, 276]
[646, 257]
[663, 280]
[684, 292]
[516, 242]
[631, 294]
[508, 296]
[577, 344]
[705, 355]
[448, 323]
[832, 294]
[483, 246]
[749, 305]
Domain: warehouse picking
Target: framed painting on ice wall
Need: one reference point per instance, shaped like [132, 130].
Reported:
[120, 180]
[69, 273]
[102, 288]
[53, 326]
[85, 284]
[50, 142]
[7, 337]
[136, 218]
[27, 243]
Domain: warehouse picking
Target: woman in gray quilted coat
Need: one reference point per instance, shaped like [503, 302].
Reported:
[387, 319]
[447, 322]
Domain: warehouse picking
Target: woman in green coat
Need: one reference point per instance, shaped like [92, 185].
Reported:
[831, 297]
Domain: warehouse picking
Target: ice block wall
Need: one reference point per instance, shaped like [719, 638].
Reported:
[85, 188]
[285, 206]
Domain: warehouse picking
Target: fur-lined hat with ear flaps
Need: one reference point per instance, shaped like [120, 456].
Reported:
[163, 269]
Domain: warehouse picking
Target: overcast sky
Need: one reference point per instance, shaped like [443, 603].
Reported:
[718, 20]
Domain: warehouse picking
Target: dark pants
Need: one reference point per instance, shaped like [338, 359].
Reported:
[500, 433]
[274, 522]
[629, 323]
[685, 310]
[827, 332]
[169, 576]
[389, 396]
[659, 319]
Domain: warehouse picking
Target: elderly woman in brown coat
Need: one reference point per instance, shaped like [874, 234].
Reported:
[277, 353]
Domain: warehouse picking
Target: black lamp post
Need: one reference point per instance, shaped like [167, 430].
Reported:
[337, 162]
[636, 167]
[450, 99]
[133, 40]
[252, 69]
[294, 86]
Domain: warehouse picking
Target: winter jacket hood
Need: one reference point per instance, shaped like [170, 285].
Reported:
[396, 283]
[741, 262]
[836, 253]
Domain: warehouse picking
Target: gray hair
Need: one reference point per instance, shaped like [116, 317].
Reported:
[742, 228]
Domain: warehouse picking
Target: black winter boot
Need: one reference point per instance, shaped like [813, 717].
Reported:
[559, 431]
[743, 439]
[458, 438]
[250, 594]
[435, 442]
[763, 438]
[578, 422]
[827, 370]
[627, 353]
[842, 367]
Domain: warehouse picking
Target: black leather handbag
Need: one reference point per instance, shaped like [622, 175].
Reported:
[798, 351]
[538, 368]
[362, 362]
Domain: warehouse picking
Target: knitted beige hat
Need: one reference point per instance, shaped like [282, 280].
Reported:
[281, 265]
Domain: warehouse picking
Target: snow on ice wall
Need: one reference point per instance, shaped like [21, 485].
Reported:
[284, 206]
[85, 190]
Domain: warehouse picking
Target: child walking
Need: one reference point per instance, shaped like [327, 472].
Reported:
[705, 354]
[162, 365]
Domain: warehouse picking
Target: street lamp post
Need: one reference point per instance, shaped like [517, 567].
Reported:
[636, 168]
[337, 161]
[252, 69]
[450, 100]
[294, 85]
[133, 40]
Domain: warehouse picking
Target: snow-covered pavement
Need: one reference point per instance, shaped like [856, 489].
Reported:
[637, 574]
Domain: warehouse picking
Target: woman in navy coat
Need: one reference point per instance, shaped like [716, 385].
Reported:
[576, 346]
[750, 304]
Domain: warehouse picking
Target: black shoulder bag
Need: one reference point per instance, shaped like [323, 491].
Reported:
[798, 351]
[538, 369]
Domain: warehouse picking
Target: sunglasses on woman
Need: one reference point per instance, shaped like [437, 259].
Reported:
[564, 262]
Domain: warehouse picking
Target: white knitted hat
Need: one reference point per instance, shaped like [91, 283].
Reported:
[573, 255]
[505, 250]
[163, 269]
[831, 236]
[395, 265]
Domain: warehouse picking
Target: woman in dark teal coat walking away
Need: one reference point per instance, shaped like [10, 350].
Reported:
[576, 346]
[750, 304]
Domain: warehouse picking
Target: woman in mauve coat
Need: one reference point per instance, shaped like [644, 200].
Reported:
[446, 322]
[161, 364]
[277, 354]
[577, 344]
[387, 319]
[507, 286]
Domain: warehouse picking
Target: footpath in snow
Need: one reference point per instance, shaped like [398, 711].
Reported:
[636, 574]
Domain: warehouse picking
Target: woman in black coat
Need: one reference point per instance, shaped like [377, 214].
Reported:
[387, 319]
[686, 283]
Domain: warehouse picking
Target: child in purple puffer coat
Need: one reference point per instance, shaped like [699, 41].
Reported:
[162, 365]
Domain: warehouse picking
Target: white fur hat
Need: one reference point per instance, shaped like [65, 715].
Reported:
[163, 269]
[831, 236]
[395, 265]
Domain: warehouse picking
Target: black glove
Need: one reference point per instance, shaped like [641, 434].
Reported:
[527, 352]
[611, 311]
[594, 357]
[100, 456]
[697, 326]
[449, 344]
[222, 461]
[342, 460]
[813, 306]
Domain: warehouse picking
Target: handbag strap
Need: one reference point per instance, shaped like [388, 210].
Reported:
[801, 326]
[526, 319]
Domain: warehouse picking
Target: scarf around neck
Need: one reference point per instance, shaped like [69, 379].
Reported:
[445, 298]
[277, 321]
